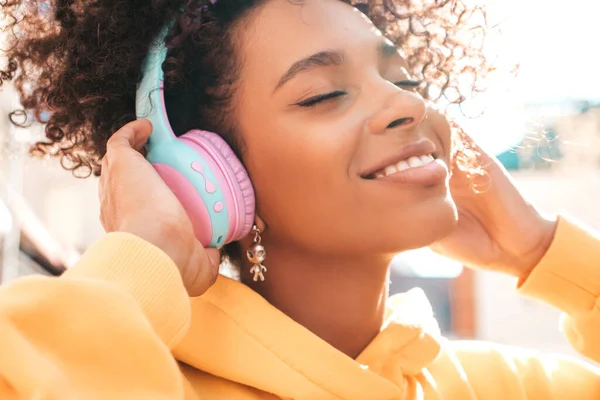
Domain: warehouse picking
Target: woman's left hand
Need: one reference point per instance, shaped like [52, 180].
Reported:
[497, 228]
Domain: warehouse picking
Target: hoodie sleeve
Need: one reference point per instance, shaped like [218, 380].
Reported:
[568, 277]
[103, 330]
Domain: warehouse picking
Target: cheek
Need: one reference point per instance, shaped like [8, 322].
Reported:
[298, 167]
[300, 172]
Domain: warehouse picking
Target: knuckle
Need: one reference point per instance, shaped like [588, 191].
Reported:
[111, 141]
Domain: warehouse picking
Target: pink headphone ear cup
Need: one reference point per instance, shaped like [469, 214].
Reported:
[243, 190]
[190, 200]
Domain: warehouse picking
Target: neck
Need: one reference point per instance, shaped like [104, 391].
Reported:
[341, 300]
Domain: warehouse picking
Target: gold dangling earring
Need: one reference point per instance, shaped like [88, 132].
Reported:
[256, 255]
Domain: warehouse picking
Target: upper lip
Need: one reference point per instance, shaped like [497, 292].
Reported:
[414, 149]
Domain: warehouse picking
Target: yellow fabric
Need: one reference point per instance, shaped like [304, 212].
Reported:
[114, 326]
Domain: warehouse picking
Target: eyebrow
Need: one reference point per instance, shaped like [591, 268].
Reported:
[330, 58]
[322, 59]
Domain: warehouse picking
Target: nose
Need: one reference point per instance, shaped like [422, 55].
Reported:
[402, 110]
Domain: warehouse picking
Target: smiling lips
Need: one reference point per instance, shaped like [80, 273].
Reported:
[414, 163]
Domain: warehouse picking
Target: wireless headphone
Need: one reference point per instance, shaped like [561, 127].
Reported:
[199, 167]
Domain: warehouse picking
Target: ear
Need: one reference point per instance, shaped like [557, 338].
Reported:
[260, 223]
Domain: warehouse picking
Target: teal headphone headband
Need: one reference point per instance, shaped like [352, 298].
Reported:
[153, 74]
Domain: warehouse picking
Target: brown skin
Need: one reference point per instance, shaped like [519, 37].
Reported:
[305, 163]
[330, 234]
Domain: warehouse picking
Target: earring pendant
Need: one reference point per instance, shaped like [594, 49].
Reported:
[256, 255]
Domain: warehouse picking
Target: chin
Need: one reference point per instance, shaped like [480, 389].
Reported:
[425, 226]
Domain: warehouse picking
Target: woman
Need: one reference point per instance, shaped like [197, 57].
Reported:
[318, 138]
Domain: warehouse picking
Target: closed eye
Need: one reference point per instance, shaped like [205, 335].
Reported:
[313, 101]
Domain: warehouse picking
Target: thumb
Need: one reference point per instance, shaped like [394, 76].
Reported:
[214, 256]
[205, 271]
[135, 134]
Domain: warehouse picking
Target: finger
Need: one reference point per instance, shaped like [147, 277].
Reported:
[214, 256]
[206, 272]
[133, 135]
[104, 170]
[102, 190]
[102, 215]
[103, 166]
[102, 180]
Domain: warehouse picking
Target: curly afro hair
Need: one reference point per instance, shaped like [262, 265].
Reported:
[76, 63]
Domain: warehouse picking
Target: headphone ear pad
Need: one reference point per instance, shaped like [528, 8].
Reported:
[232, 178]
[190, 199]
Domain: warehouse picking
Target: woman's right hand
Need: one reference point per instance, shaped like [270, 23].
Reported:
[135, 199]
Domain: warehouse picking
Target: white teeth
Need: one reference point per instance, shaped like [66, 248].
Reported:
[390, 169]
[414, 162]
[427, 159]
[403, 165]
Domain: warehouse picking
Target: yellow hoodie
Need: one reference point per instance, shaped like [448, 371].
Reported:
[114, 326]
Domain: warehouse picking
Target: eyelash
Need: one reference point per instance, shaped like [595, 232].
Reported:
[313, 101]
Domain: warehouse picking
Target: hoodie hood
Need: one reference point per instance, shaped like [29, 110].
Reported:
[237, 335]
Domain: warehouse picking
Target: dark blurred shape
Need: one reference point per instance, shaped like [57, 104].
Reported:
[39, 251]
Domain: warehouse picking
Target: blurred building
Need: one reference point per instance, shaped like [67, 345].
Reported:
[558, 172]
[42, 208]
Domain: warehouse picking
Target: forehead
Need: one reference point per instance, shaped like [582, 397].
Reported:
[284, 31]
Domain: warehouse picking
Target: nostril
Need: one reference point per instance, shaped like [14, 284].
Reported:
[400, 122]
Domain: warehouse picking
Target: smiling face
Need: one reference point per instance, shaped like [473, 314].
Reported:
[328, 113]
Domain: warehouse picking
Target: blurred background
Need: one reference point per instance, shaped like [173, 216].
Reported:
[544, 126]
